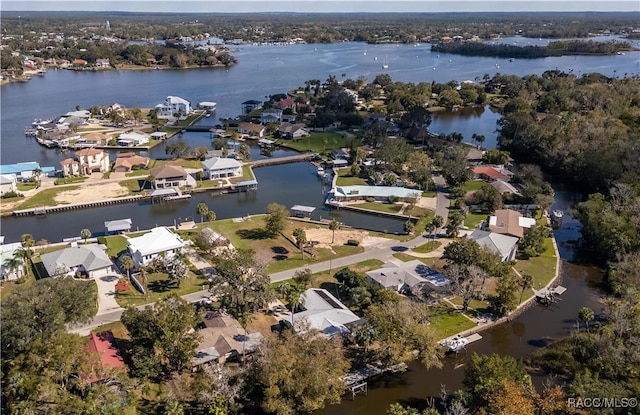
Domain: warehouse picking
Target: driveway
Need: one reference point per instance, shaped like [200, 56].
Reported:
[107, 294]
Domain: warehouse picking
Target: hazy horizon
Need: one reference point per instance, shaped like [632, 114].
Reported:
[322, 6]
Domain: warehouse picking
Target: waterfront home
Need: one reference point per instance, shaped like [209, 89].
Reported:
[323, 312]
[407, 276]
[79, 63]
[250, 105]
[171, 176]
[159, 135]
[223, 339]
[24, 171]
[254, 130]
[86, 161]
[380, 193]
[173, 107]
[90, 260]
[132, 139]
[492, 173]
[109, 362]
[294, 131]
[505, 187]
[218, 168]
[125, 162]
[103, 63]
[94, 139]
[9, 270]
[8, 184]
[270, 115]
[159, 242]
[509, 222]
[504, 245]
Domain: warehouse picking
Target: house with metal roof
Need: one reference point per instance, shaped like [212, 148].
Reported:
[221, 167]
[159, 241]
[9, 270]
[504, 245]
[406, 276]
[91, 260]
[323, 312]
[117, 226]
[24, 170]
[8, 183]
[382, 193]
[132, 139]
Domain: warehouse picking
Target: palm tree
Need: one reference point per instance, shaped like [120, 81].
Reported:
[295, 300]
[12, 264]
[437, 222]
[526, 281]
[27, 240]
[334, 225]
[203, 210]
[301, 239]
[126, 262]
[85, 234]
[211, 216]
[37, 172]
[283, 289]
[586, 314]
[143, 276]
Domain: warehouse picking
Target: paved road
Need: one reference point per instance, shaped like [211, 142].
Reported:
[442, 198]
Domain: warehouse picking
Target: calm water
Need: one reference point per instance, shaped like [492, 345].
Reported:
[261, 71]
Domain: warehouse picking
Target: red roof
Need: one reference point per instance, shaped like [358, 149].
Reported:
[88, 152]
[492, 172]
[102, 343]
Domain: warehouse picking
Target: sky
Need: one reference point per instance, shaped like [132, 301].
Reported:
[318, 6]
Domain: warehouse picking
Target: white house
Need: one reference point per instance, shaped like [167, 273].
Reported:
[159, 241]
[216, 168]
[91, 260]
[132, 139]
[293, 130]
[172, 106]
[504, 245]
[8, 183]
[270, 115]
[7, 253]
[406, 276]
[323, 312]
[86, 161]
[171, 176]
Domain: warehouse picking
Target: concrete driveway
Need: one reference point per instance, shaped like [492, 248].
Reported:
[107, 293]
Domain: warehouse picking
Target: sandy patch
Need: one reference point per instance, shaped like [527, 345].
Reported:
[324, 236]
[427, 202]
[92, 193]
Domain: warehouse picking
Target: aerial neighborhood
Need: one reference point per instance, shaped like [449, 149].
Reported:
[295, 255]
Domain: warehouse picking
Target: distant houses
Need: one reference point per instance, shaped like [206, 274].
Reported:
[492, 173]
[159, 242]
[271, 115]
[24, 171]
[85, 162]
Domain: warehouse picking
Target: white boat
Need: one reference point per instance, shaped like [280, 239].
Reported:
[556, 218]
[456, 343]
[385, 65]
[320, 171]
[207, 116]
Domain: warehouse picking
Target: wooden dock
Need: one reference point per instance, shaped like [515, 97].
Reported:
[356, 382]
[73, 206]
[279, 160]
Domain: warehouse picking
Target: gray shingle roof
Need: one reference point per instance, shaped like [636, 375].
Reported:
[89, 257]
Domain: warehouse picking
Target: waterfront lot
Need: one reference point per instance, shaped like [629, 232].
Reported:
[159, 285]
[320, 141]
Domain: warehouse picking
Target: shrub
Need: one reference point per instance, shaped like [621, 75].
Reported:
[393, 199]
[352, 242]
[21, 280]
[10, 195]
[371, 199]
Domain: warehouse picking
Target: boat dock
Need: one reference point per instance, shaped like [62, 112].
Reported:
[73, 206]
[357, 381]
[456, 343]
[279, 160]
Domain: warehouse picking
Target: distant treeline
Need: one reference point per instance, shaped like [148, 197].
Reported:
[557, 48]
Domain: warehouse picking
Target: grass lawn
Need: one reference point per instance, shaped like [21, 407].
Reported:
[117, 328]
[542, 268]
[406, 258]
[115, 244]
[472, 220]
[159, 286]
[473, 304]
[446, 321]
[70, 180]
[380, 207]
[346, 179]
[45, 198]
[318, 142]
[22, 187]
[417, 211]
[247, 174]
[472, 185]
[294, 258]
[133, 185]
[428, 247]
[430, 193]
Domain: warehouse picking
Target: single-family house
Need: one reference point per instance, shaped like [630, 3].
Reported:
[285, 103]
[406, 276]
[474, 155]
[492, 172]
[10, 269]
[171, 176]
[288, 130]
[8, 183]
[217, 168]
[254, 130]
[25, 170]
[250, 105]
[86, 161]
[158, 242]
[110, 362]
[504, 187]
[381, 193]
[125, 162]
[504, 245]
[223, 338]
[91, 260]
[323, 312]
[173, 107]
[510, 222]
[103, 63]
[214, 238]
[132, 139]
[79, 63]
[94, 139]
[270, 115]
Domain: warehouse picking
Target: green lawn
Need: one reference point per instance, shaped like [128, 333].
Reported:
[473, 304]
[45, 198]
[133, 185]
[380, 206]
[428, 247]
[319, 142]
[406, 258]
[70, 180]
[472, 185]
[542, 268]
[159, 286]
[472, 220]
[430, 193]
[115, 244]
[247, 174]
[22, 187]
[417, 211]
[295, 260]
[446, 321]
[346, 179]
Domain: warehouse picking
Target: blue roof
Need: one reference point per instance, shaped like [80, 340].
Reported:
[19, 167]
